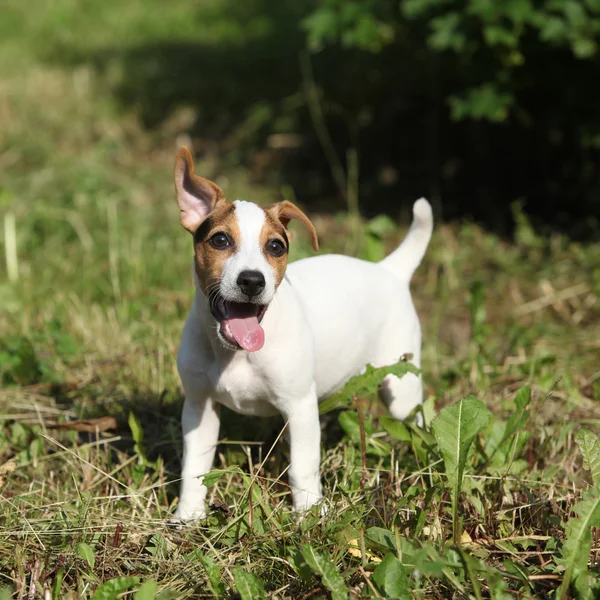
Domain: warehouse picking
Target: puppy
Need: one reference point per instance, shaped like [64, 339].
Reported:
[263, 337]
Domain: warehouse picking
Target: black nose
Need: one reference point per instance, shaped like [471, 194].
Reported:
[251, 283]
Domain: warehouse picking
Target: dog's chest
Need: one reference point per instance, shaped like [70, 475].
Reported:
[240, 386]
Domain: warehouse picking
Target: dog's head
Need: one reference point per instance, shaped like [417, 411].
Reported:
[240, 253]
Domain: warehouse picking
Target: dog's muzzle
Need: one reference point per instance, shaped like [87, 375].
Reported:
[239, 323]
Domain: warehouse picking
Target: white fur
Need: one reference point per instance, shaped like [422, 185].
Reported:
[330, 317]
[248, 256]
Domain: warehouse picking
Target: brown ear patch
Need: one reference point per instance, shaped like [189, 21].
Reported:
[208, 261]
[274, 230]
[285, 211]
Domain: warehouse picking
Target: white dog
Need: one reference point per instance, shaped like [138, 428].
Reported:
[263, 339]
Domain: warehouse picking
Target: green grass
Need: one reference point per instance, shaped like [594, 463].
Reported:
[90, 320]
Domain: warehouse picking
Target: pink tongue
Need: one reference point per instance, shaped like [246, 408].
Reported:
[247, 332]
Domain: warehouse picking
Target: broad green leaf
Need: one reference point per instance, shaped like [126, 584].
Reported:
[589, 444]
[382, 537]
[212, 571]
[587, 587]
[249, 586]
[395, 429]
[110, 590]
[348, 421]
[391, 579]
[324, 567]
[428, 411]
[576, 549]
[86, 553]
[300, 565]
[454, 429]
[366, 384]
[147, 591]
[216, 474]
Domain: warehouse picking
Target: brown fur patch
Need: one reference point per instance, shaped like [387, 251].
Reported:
[208, 261]
[285, 211]
[273, 229]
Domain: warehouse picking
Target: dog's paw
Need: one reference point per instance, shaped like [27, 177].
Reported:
[306, 503]
[186, 514]
[310, 514]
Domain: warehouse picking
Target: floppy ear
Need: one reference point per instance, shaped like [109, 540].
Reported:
[286, 211]
[196, 196]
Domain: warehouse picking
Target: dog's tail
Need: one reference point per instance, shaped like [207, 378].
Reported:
[404, 261]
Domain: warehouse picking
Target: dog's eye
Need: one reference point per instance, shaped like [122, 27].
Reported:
[220, 241]
[275, 248]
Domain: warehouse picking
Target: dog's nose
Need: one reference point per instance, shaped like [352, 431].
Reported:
[251, 283]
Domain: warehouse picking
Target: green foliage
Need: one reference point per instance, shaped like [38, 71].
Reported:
[494, 33]
[477, 311]
[374, 233]
[505, 441]
[147, 591]
[350, 424]
[576, 549]
[113, 588]
[32, 359]
[455, 429]
[391, 579]
[85, 552]
[249, 586]
[589, 445]
[395, 429]
[216, 474]
[353, 22]
[19, 362]
[138, 437]
[326, 569]
[365, 385]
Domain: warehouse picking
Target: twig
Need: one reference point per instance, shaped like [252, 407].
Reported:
[550, 299]
[363, 443]
[35, 575]
[368, 581]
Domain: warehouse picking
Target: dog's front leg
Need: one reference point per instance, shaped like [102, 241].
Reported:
[200, 424]
[305, 446]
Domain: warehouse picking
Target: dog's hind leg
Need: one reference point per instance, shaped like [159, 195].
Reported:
[402, 395]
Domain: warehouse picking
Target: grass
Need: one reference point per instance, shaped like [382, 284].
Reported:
[94, 286]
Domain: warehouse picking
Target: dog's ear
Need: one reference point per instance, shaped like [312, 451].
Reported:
[286, 211]
[196, 196]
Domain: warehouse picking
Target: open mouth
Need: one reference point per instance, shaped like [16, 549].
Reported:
[239, 323]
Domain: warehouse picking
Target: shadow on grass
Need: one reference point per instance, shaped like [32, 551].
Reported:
[244, 84]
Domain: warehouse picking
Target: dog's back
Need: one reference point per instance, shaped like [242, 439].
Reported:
[362, 312]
